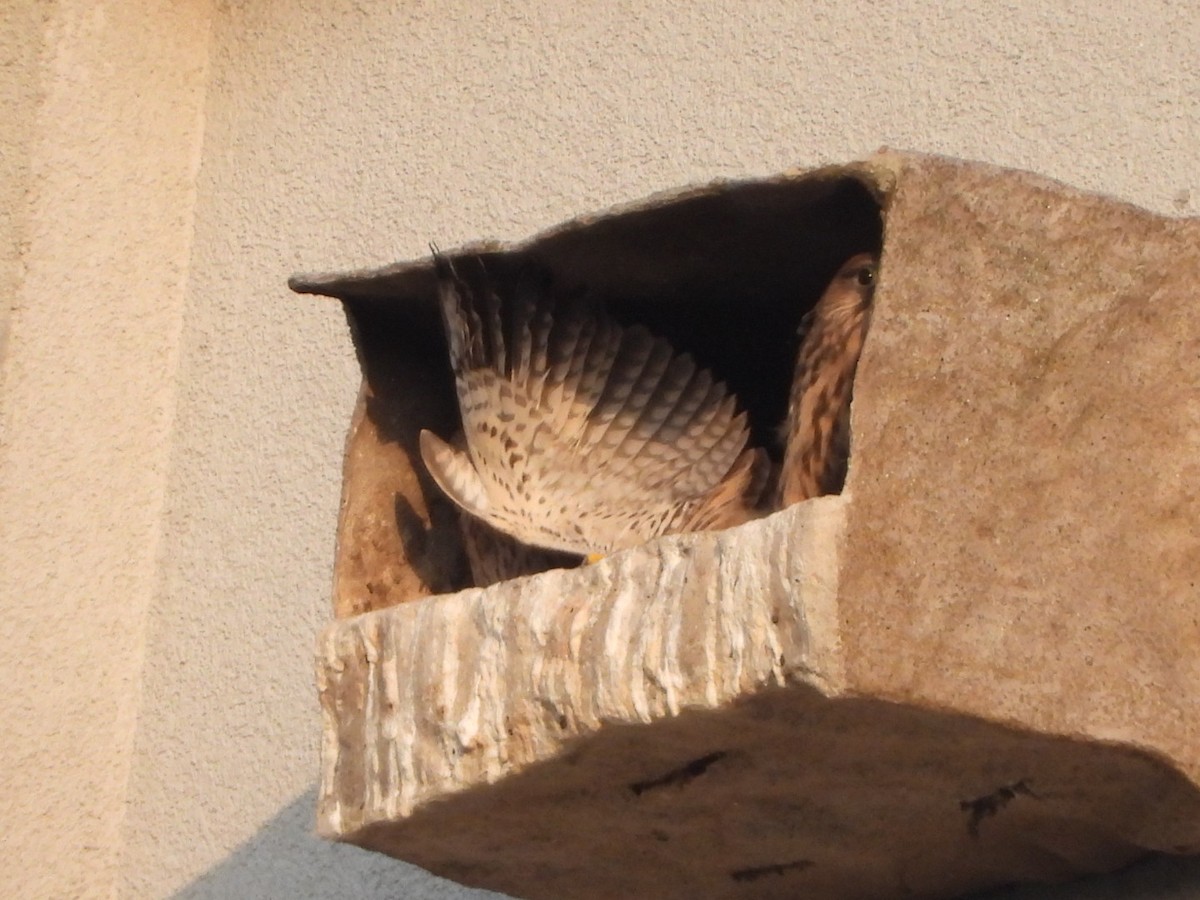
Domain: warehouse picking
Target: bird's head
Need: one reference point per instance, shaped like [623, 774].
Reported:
[850, 292]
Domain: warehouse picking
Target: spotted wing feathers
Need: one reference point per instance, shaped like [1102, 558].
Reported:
[583, 436]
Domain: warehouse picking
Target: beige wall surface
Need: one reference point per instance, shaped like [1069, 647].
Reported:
[20, 84]
[174, 418]
[102, 116]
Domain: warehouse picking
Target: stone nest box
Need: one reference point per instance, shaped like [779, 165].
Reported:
[979, 664]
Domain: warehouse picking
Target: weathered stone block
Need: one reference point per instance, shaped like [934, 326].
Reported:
[980, 664]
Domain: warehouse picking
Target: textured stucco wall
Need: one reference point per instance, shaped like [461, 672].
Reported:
[20, 83]
[340, 134]
[105, 137]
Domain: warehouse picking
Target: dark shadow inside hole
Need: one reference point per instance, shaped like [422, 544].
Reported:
[738, 312]
[726, 277]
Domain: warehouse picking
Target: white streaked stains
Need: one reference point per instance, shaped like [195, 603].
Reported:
[429, 698]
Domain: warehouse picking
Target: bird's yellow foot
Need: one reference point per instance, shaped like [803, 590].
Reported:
[592, 558]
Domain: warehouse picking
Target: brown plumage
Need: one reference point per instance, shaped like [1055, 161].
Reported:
[579, 436]
[817, 433]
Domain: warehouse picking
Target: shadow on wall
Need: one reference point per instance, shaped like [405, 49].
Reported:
[1156, 878]
[287, 859]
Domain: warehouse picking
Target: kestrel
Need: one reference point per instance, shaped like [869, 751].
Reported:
[817, 434]
[579, 436]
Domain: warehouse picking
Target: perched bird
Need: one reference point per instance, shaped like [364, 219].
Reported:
[580, 436]
[817, 432]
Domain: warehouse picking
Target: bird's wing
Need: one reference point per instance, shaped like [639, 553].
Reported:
[736, 498]
[648, 418]
[581, 436]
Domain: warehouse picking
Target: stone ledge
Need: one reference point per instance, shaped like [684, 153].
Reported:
[636, 729]
[424, 699]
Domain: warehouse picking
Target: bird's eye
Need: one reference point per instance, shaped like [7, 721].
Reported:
[865, 276]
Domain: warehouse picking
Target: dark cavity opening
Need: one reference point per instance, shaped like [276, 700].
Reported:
[725, 273]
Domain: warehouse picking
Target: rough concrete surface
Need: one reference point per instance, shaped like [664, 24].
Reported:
[959, 674]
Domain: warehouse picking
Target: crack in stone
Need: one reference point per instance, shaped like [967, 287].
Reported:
[680, 776]
[753, 873]
[989, 804]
